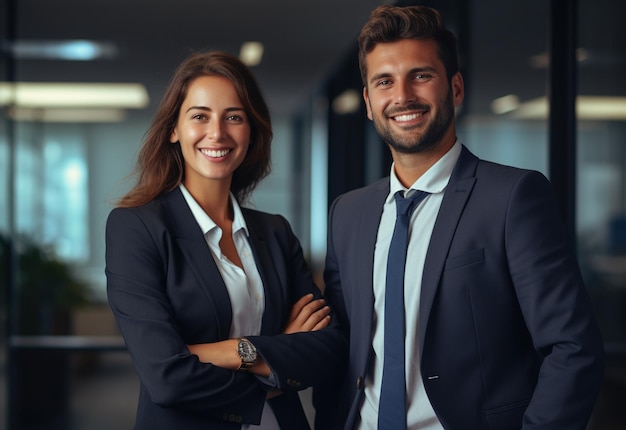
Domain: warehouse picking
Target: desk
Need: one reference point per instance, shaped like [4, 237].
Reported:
[68, 343]
[40, 375]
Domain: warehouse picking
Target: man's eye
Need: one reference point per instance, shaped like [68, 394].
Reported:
[422, 77]
[384, 82]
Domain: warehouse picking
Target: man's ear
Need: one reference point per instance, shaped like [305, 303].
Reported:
[458, 89]
[367, 103]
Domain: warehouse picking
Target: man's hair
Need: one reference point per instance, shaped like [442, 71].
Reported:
[392, 23]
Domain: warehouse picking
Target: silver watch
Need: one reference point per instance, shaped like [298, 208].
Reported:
[247, 353]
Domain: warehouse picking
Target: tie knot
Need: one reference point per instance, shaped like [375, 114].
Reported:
[405, 205]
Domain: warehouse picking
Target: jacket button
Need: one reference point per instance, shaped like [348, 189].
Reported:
[359, 383]
[293, 383]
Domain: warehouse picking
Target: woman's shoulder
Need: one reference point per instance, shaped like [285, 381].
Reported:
[265, 221]
[259, 216]
[150, 212]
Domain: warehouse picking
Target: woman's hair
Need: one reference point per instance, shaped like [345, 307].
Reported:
[392, 23]
[160, 163]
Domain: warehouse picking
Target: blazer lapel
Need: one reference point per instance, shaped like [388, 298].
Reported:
[457, 192]
[265, 265]
[368, 223]
[194, 248]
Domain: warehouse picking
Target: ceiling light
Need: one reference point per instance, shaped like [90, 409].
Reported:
[587, 108]
[505, 104]
[542, 61]
[347, 102]
[76, 95]
[251, 53]
[73, 50]
[67, 115]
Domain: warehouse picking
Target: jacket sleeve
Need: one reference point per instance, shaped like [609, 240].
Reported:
[556, 309]
[137, 278]
[300, 360]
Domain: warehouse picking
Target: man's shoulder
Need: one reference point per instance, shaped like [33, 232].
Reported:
[366, 192]
[504, 172]
[470, 165]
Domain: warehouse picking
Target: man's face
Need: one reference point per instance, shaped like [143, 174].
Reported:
[408, 96]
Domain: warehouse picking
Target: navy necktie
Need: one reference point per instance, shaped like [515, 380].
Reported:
[392, 406]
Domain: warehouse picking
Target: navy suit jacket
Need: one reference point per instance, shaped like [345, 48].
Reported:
[166, 291]
[507, 339]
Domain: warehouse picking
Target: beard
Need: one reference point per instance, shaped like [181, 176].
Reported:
[412, 143]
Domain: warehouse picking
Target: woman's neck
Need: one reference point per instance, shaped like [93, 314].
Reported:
[214, 199]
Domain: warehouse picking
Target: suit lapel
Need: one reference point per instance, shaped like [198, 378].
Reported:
[457, 192]
[265, 265]
[368, 223]
[194, 248]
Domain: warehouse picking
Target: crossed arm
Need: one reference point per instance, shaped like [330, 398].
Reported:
[306, 315]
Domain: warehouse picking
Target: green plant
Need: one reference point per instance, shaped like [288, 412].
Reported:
[47, 289]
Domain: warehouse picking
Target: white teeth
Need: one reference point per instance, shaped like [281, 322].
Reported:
[407, 117]
[215, 153]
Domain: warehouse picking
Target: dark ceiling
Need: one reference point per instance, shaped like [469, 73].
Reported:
[303, 39]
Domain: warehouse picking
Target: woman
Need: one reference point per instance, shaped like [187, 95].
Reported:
[215, 301]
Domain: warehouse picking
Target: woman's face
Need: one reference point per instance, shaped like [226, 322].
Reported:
[213, 131]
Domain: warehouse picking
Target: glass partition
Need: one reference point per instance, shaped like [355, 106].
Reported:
[601, 186]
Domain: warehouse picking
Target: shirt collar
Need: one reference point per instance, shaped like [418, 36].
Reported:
[205, 222]
[434, 180]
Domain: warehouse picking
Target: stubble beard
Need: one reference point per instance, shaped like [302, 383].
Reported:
[431, 137]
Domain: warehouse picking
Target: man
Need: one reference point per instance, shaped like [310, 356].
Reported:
[497, 326]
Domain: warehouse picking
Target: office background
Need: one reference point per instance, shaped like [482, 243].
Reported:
[544, 90]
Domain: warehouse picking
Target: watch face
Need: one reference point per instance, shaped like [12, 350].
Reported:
[247, 351]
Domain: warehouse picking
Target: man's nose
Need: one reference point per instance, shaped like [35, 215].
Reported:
[404, 92]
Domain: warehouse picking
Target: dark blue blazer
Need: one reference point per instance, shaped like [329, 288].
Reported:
[507, 338]
[166, 291]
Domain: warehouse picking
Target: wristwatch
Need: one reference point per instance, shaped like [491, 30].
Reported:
[247, 353]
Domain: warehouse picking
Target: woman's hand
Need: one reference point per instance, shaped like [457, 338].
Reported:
[308, 315]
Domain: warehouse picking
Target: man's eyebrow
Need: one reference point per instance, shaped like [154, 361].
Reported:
[421, 69]
[380, 76]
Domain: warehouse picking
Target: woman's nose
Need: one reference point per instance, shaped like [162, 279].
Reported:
[216, 130]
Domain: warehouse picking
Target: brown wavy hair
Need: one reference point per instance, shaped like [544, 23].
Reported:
[160, 163]
[392, 23]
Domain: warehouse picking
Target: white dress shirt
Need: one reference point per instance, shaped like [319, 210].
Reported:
[420, 414]
[245, 287]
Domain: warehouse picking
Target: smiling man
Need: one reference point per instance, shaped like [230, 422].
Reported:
[488, 324]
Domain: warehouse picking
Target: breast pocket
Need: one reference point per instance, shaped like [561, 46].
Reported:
[466, 259]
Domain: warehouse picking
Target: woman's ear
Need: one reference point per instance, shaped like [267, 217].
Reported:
[174, 136]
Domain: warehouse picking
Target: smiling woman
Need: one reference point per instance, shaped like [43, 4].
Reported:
[215, 301]
[213, 132]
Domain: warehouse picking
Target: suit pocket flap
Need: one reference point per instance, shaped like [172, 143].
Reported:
[466, 259]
